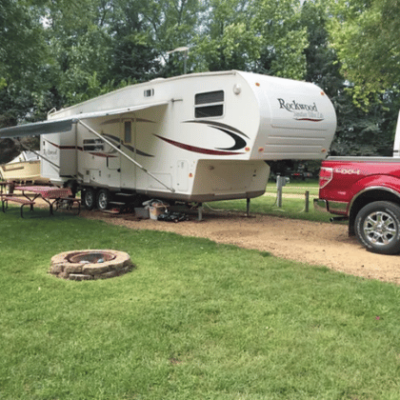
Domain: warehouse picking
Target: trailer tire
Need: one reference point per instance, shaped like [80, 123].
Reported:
[89, 198]
[377, 227]
[103, 199]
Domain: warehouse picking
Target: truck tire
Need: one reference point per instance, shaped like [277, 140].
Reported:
[377, 227]
[103, 199]
[89, 198]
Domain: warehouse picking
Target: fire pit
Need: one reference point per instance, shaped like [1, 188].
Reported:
[91, 257]
[90, 264]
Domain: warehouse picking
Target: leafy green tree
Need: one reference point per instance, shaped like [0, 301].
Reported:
[23, 59]
[359, 132]
[284, 38]
[228, 39]
[365, 37]
[174, 24]
[134, 54]
[80, 46]
[257, 35]
[23, 52]
[22, 45]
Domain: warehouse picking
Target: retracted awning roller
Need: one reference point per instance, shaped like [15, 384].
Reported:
[37, 128]
[65, 124]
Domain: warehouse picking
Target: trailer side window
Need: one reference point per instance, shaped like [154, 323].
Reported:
[209, 97]
[128, 132]
[93, 145]
[210, 111]
[209, 104]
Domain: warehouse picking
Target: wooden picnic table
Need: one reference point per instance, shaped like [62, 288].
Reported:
[50, 194]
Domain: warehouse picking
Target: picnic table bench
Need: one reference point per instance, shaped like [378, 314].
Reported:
[23, 201]
[55, 197]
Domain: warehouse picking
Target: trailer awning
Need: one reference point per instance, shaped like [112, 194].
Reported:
[36, 128]
[65, 124]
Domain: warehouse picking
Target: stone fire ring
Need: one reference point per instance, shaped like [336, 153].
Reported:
[90, 264]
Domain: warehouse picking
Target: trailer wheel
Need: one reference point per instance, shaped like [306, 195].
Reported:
[103, 199]
[377, 227]
[89, 198]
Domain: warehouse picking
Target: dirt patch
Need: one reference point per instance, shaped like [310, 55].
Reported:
[314, 243]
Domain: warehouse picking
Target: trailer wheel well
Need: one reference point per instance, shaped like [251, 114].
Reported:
[366, 198]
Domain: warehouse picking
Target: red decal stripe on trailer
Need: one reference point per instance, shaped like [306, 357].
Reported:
[65, 147]
[309, 119]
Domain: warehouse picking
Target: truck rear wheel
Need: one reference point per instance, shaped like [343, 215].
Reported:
[377, 227]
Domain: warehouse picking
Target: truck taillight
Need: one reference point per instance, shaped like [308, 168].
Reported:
[325, 176]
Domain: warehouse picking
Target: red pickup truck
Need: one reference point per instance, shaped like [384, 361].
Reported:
[366, 192]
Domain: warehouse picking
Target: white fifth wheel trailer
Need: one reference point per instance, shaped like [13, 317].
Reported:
[192, 138]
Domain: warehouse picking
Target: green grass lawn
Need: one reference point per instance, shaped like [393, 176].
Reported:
[291, 207]
[297, 187]
[194, 320]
